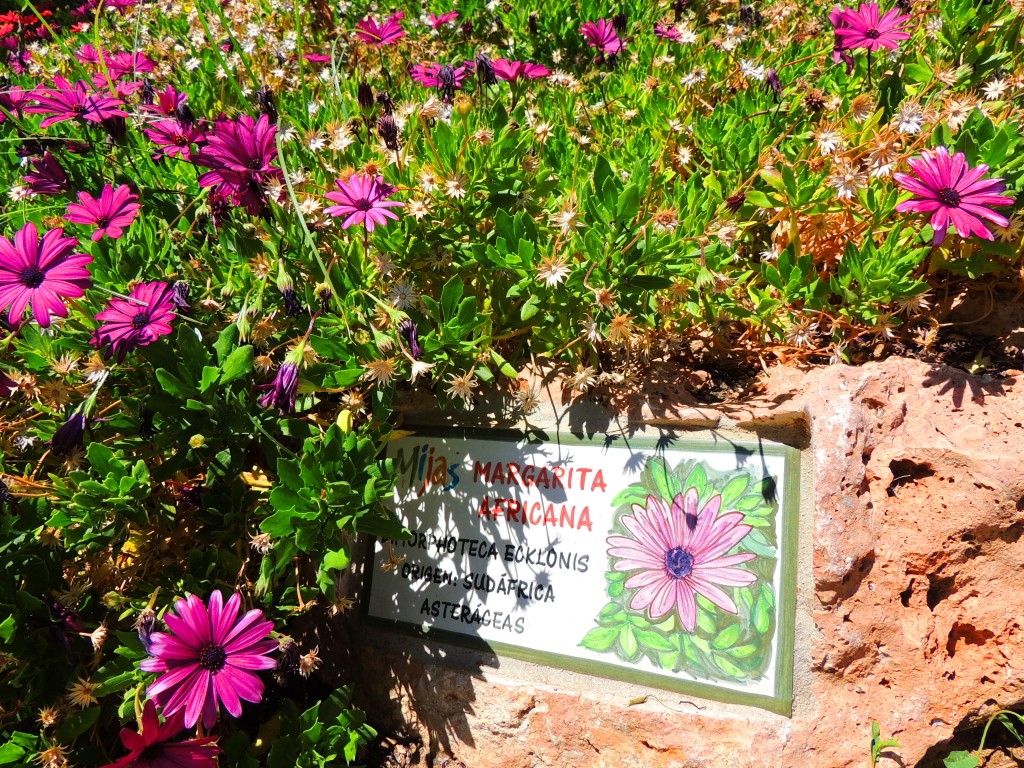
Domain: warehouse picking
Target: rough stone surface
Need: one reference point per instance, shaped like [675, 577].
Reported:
[909, 606]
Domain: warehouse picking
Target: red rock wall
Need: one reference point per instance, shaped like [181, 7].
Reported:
[909, 600]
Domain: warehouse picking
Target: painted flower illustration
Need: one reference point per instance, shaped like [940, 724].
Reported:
[678, 553]
[209, 656]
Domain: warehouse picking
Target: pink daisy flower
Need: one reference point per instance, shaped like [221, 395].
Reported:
[363, 199]
[173, 138]
[70, 102]
[864, 28]
[668, 32]
[437, 22]
[41, 273]
[120, 65]
[679, 553]
[14, 100]
[209, 656]
[240, 155]
[445, 78]
[388, 33]
[152, 747]
[513, 70]
[112, 213]
[167, 103]
[47, 177]
[953, 193]
[601, 34]
[128, 325]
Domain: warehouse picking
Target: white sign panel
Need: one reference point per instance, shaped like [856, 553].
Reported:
[668, 563]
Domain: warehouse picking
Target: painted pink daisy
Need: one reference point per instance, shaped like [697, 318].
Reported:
[363, 200]
[601, 34]
[41, 273]
[209, 656]
[370, 31]
[152, 747]
[137, 321]
[71, 102]
[112, 213]
[865, 28]
[513, 70]
[954, 193]
[680, 553]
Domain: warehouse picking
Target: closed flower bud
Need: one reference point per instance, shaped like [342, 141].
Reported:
[365, 96]
[387, 128]
[69, 435]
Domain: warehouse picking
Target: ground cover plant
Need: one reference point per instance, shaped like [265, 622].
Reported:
[233, 230]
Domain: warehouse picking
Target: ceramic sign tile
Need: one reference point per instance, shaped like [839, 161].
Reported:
[669, 563]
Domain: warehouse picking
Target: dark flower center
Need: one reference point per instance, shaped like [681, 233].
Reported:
[181, 139]
[102, 221]
[949, 197]
[212, 657]
[141, 320]
[78, 109]
[255, 164]
[32, 277]
[364, 205]
[872, 34]
[678, 563]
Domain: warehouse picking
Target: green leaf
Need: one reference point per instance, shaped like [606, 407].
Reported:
[960, 759]
[652, 640]
[530, 308]
[172, 385]
[209, 377]
[627, 643]
[504, 366]
[225, 342]
[9, 753]
[451, 295]
[727, 637]
[7, 628]
[600, 639]
[237, 365]
[77, 724]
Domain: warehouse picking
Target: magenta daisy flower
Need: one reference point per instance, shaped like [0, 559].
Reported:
[679, 553]
[70, 102]
[14, 100]
[47, 177]
[445, 78]
[175, 138]
[129, 324]
[121, 65]
[41, 273]
[954, 193]
[865, 28]
[112, 213]
[370, 31]
[363, 199]
[436, 22]
[513, 70]
[152, 747]
[167, 102]
[209, 656]
[601, 34]
[240, 155]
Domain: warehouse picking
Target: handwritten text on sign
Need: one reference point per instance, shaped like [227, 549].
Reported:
[662, 561]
